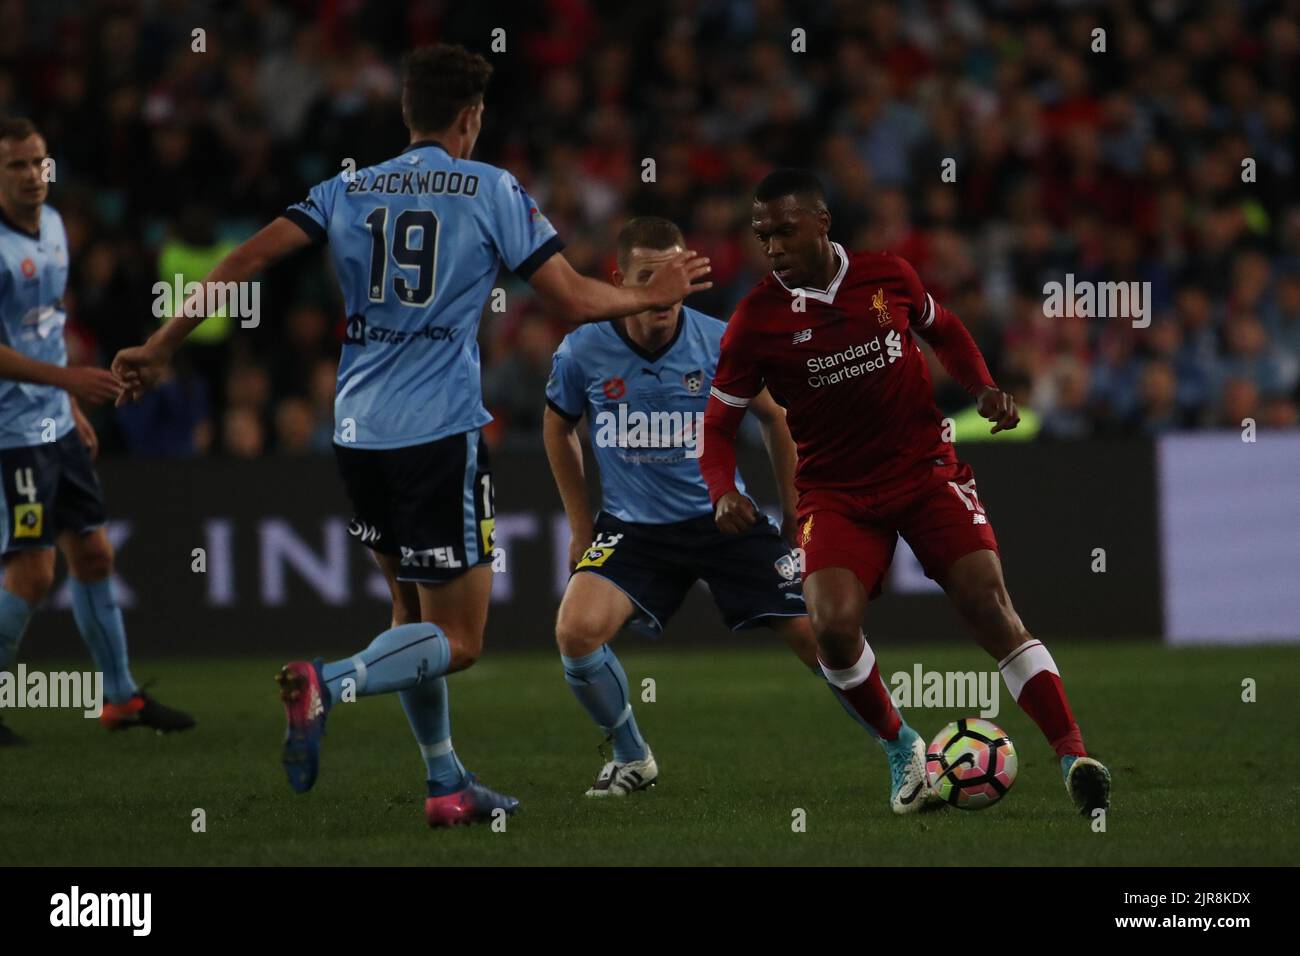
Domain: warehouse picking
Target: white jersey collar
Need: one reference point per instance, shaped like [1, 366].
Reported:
[826, 295]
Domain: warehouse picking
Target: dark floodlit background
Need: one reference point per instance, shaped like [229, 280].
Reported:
[1116, 166]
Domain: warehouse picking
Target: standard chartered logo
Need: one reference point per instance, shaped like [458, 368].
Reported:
[844, 364]
[638, 429]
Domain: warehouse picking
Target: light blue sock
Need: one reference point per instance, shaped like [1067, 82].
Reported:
[426, 708]
[14, 615]
[99, 620]
[598, 681]
[397, 659]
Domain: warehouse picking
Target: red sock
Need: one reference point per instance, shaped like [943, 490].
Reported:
[866, 698]
[1031, 676]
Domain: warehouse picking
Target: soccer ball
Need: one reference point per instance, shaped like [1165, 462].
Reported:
[971, 763]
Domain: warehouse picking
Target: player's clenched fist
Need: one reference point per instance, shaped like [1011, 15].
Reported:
[1000, 408]
[735, 513]
[677, 278]
[137, 370]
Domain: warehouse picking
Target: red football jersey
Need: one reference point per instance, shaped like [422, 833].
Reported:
[845, 365]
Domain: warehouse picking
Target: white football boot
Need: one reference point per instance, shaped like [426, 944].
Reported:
[620, 779]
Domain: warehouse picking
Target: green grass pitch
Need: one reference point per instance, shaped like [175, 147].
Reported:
[744, 736]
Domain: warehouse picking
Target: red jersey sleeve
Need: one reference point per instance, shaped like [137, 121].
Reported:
[736, 381]
[946, 335]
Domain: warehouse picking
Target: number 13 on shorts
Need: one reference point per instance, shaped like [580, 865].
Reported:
[485, 505]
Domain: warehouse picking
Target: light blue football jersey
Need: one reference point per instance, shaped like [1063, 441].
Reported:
[417, 242]
[33, 276]
[645, 412]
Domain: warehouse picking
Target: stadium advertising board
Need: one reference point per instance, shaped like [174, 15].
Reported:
[264, 549]
[1230, 537]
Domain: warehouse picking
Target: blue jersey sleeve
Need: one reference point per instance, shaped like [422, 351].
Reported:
[564, 389]
[523, 237]
[312, 215]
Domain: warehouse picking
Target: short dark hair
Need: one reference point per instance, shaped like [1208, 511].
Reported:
[438, 82]
[647, 232]
[799, 183]
[17, 127]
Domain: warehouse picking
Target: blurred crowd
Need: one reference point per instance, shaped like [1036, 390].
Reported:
[1168, 157]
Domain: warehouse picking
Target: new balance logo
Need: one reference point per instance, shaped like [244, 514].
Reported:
[802, 336]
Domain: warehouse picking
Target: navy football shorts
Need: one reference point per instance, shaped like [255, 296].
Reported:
[752, 576]
[430, 505]
[47, 489]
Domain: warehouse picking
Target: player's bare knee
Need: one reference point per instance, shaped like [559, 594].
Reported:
[464, 653]
[835, 626]
[31, 579]
[93, 564]
[577, 634]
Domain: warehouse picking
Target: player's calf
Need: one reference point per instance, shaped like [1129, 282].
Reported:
[836, 602]
[599, 683]
[1031, 675]
[976, 587]
[798, 635]
[591, 613]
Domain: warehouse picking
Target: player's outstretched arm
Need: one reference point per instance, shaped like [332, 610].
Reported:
[781, 450]
[581, 299]
[564, 452]
[84, 382]
[139, 368]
